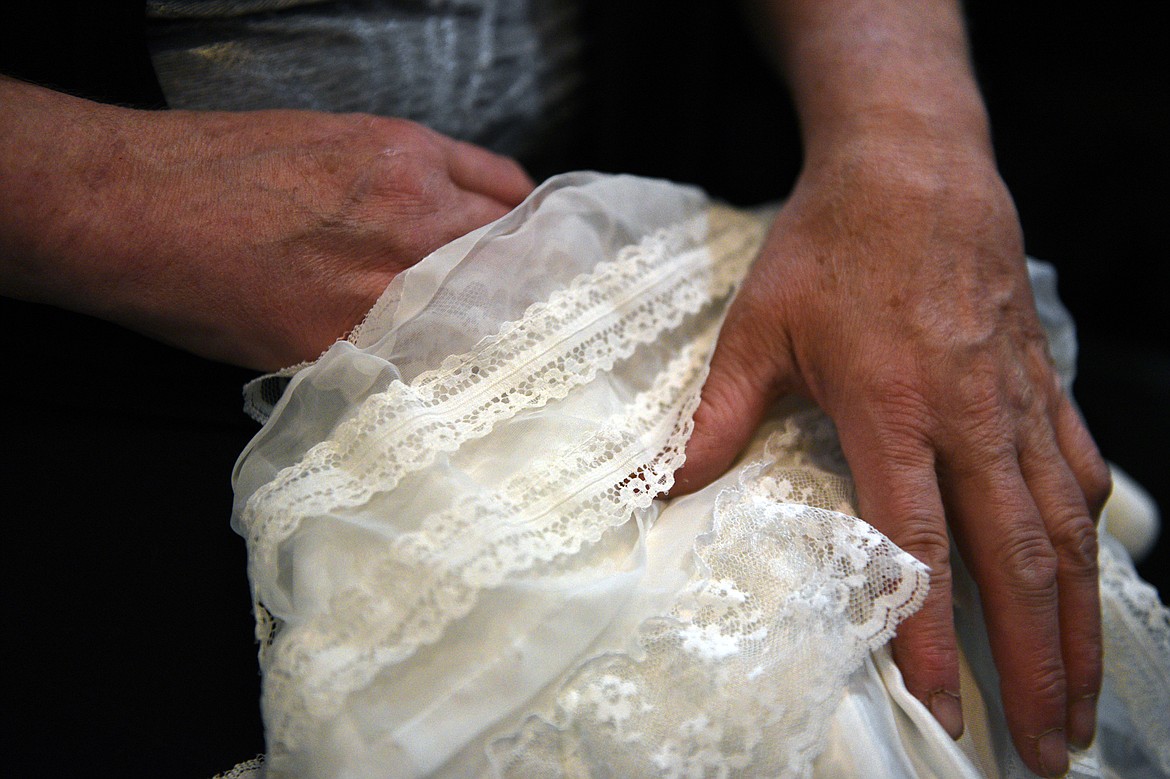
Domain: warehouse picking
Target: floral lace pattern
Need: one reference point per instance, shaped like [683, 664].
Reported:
[1136, 627]
[741, 677]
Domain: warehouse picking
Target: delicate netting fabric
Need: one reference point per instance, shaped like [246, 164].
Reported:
[558, 344]
[459, 563]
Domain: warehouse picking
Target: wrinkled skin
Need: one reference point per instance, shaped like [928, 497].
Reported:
[895, 295]
[253, 238]
[345, 203]
[891, 290]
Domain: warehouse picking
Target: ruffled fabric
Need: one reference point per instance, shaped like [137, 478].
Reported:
[460, 565]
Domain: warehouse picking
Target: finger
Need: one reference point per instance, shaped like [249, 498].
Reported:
[1006, 546]
[749, 370]
[425, 232]
[893, 469]
[468, 212]
[729, 412]
[480, 171]
[1059, 498]
[475, 210]
[1081, 454]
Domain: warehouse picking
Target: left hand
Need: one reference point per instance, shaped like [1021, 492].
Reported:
[892, 290]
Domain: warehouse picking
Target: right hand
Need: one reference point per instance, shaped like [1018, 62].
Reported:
[259, 238]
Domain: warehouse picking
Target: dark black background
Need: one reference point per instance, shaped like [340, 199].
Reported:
[128, 649]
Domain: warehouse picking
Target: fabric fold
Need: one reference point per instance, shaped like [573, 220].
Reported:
[462, 565]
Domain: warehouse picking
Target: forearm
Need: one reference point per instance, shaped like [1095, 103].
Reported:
[889, 69]
[63, 161]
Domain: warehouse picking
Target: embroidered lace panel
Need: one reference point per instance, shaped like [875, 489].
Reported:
[1136, 627]
[741, 678]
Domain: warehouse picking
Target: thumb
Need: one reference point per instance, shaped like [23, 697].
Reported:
[748, 372]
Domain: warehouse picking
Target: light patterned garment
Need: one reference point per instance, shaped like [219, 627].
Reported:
[504, 74]
[461, 568]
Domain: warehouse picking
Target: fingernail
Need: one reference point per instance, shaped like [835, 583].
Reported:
[1082, 722]
[948, 710]
[1053, 753]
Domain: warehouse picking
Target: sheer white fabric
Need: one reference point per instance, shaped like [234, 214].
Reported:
[460, 567]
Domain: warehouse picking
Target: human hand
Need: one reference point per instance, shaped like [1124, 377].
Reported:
[255, 238]
[892, 291]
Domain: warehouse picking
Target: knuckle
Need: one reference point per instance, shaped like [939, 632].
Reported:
[933, 659]
[1029, 565]
[1048, 683]
[498, 165]
[397, 132]
[988, 454]
[742, 369]
[1020, 395]
[996, 393]
[1076, 543]
[514, 169]
[984, 442]
[902, 412]
[978, 392]
[924, 535]
[405, 185]
[723, 395]
[897, 392]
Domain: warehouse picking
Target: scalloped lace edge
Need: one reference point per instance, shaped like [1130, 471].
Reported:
[655, 283]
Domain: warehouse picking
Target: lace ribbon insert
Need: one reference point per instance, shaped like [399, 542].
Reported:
[430, 577]
[558, 344]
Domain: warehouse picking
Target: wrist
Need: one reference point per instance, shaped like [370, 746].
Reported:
[943, 125]
[904, 142]
[906, 177]
[870, 71]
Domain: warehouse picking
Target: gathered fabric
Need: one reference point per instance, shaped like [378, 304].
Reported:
[462, 564]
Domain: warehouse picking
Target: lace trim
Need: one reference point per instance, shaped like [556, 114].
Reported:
[249, 769]
[557, 345]
[432, 576]
[1136, 627]
[804, 466]
[776, 583]
[743, 676]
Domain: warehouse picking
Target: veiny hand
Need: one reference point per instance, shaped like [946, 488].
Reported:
[895, 295]
[256, 238]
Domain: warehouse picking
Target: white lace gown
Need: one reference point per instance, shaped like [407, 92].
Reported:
[460, 568]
